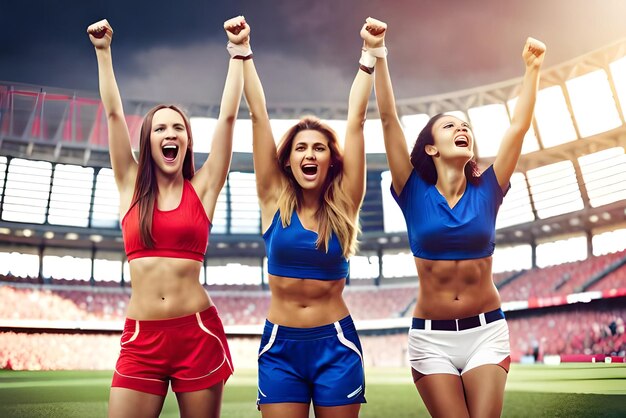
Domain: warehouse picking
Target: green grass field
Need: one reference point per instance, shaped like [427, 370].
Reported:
[570, 390]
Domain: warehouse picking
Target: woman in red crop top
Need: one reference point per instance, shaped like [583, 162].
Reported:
[173, 333]
[459, 341]
[310, 351]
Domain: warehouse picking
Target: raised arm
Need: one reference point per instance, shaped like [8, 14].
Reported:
[395, 142]
[511, 145]
[210, 178]
[373, 33]
[122, 161]
[269, 177]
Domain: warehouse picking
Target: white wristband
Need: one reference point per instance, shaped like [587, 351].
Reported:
[380, 52]
[237, 50]
[367, 59]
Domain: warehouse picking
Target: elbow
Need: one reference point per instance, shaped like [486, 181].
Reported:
[388, 118]
[229, 119]
[520, 127]
[258, 117]
[115, 116]
[357, 121]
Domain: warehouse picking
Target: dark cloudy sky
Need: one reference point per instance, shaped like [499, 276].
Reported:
[306, 51]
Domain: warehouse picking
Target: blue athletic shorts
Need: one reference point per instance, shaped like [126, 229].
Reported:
[322, 364]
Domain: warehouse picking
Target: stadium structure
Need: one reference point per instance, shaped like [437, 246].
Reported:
[561, 233]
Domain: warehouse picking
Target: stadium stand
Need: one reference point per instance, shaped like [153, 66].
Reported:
[57, 203]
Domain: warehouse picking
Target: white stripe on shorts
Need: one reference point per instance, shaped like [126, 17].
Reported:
[271, 341]
[346, 341]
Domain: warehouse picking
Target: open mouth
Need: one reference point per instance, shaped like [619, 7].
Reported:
[170, 152]
[461, 141]
[309, 169]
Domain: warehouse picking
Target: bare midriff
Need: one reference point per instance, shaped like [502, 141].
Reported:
[165, 288]
[452, 289]
[306, 303]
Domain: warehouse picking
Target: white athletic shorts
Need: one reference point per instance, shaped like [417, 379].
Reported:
[456, 346]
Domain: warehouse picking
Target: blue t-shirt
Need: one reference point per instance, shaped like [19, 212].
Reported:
[291, 252]
[438, 232]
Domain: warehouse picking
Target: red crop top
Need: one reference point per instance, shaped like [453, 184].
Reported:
[178, 233]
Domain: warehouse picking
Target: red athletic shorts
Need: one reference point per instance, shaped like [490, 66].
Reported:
[191, 351]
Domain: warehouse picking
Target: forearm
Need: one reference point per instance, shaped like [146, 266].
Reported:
[255, 96]
[525, 106]
[384, 93]
[109, 92]
[359, 97]
[233, 87]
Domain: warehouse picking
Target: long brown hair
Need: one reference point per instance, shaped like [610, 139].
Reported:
[146, 187]
[335, 213]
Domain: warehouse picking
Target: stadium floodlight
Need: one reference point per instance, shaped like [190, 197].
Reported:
[96, 237]
[339, 126]
[489, 123]
[562, 251]
[398, 264]
[59, 266]
[553, 119]
[242, 136]
[202, 129]
[609, 242]
[70, 197]
[280, 127]
[26, 191]
[393, 219]
[373, 132]
[19, 264]
[592, 103]
[244, 204]
[233, 273]
[618, 73]
[106, 203]
[219, 221]
[604, 174]
[554, 189]
[126, 271]
[362, 268]
[516, 208]
[412, 126]
[512, 258]
[105, 270]
[530, 140]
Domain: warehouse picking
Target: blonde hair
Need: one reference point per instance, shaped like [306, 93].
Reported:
[336, 212]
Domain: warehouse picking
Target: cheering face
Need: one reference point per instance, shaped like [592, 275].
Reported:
[453, 139]
[310, 159]
[168, 141]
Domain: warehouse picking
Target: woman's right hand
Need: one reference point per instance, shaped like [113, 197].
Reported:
[237, 30]
[373, 33]
[534, 52]
[100, 34]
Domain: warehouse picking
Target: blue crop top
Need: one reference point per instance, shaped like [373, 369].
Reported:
[437, 232]
[291, 252]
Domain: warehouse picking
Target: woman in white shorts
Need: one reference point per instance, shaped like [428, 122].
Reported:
[459, 340]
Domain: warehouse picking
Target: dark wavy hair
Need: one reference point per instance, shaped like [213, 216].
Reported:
[424, 164]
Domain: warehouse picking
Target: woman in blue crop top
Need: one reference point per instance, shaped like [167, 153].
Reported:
[310, 193]
[459, 341]
[172, 332]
